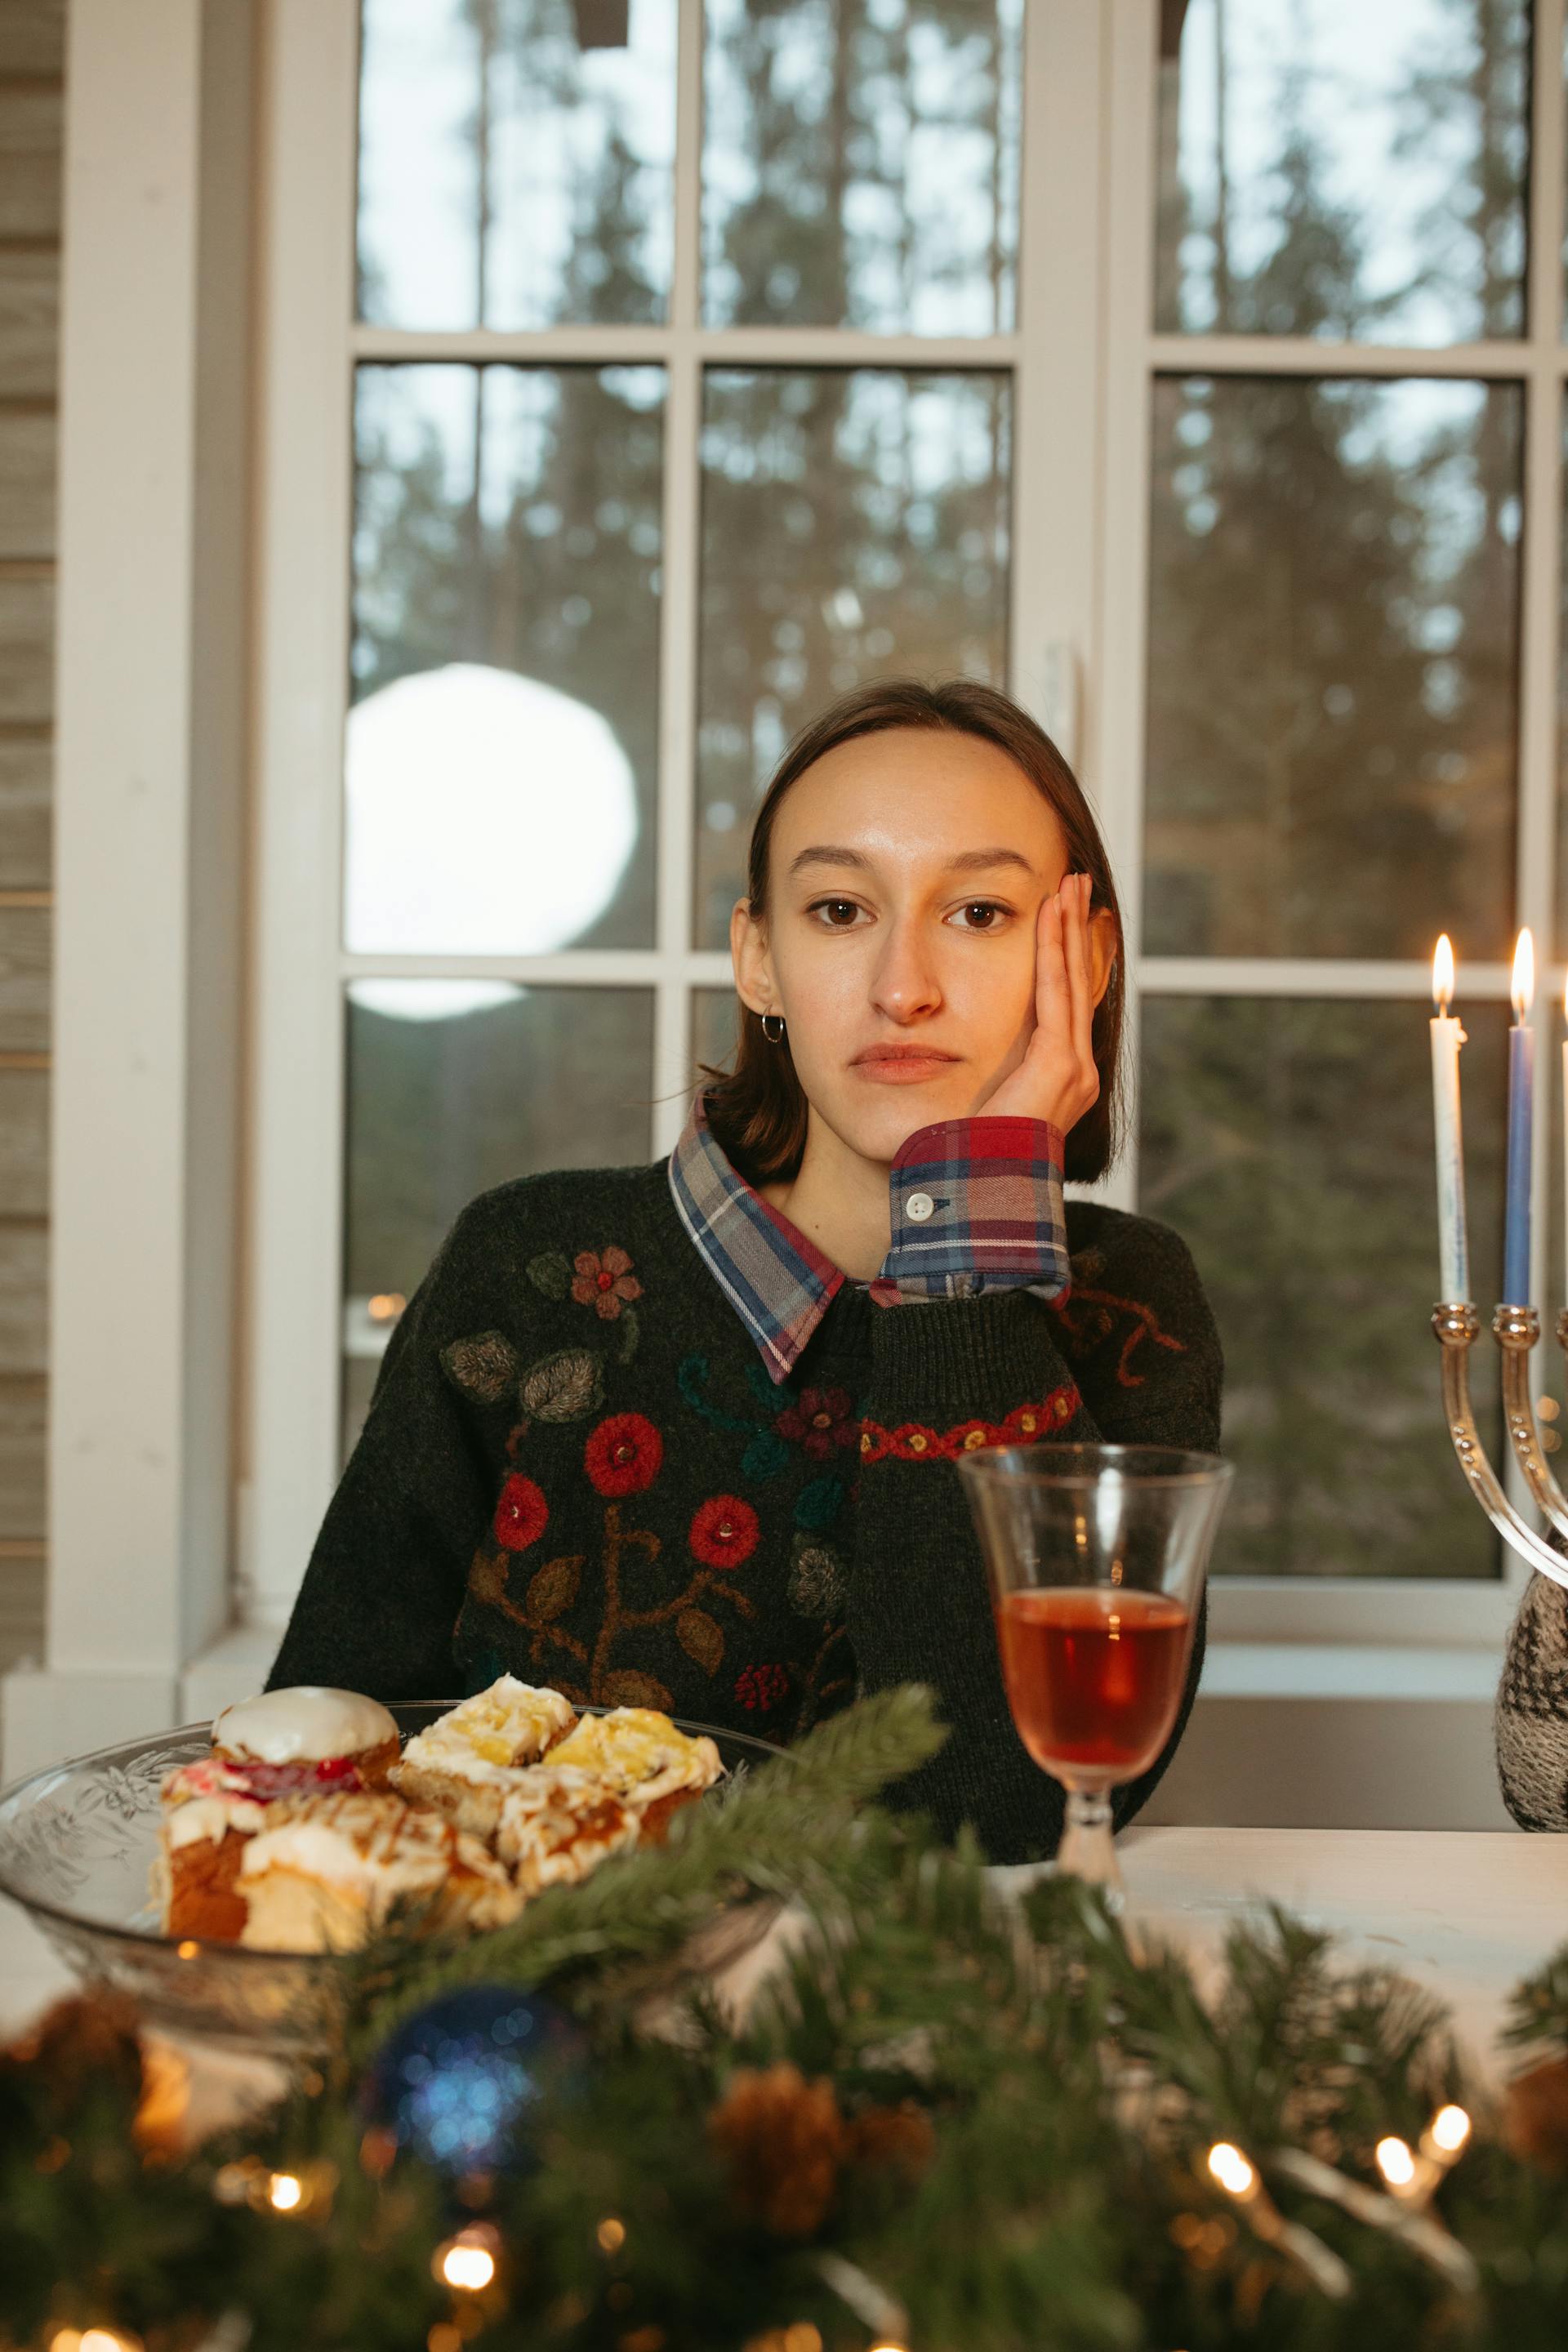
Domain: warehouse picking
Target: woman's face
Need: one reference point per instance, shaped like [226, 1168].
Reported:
[908, 871]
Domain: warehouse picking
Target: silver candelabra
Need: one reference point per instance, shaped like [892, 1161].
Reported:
[1515, 1331]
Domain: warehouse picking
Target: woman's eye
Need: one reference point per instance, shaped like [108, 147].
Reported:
[984, 907]
[849, 903]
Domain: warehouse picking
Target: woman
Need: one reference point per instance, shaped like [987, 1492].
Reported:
[682, 1436]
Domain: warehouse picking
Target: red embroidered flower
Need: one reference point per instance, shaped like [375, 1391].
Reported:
[605, 1279]
[623, 1454]
[761, 1688]
[521, 1514]
[821, 1422]
[723, 1531]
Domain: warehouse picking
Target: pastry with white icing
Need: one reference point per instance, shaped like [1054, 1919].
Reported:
[468, 1759]
[210, 1810]
[328, 1874]
[309, 1725]
[557, 1825]
[640, 1755]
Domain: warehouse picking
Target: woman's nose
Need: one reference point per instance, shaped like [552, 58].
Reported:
[905, 981]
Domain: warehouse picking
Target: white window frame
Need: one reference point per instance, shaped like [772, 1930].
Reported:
[1077, 645]
[310, 346]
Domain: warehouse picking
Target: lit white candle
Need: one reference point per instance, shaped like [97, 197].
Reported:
[1520, 1129]
[1447, 1036]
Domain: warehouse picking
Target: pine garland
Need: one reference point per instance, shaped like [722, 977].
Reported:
[951, 2122]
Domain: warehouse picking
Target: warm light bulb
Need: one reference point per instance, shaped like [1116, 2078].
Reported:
[467, 2262]
[284, 2192]
[1231, 2168]
[1443, 975]
[1522, 989]
[1450, 2129]
[469, 2267]
[1395, 2162]
[611, 2234]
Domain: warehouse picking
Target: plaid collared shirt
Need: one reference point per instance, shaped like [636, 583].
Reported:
[975, 1205]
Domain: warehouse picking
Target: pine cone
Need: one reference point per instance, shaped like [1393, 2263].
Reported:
[78, 2042]
[783, 2139]
[900, 2135]
[1535, 2116]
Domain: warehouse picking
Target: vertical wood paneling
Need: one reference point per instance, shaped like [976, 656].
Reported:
[32, 51]
[23, 1317]
[23, 1143]
[30, 324]
[22, 1434]
[30, 126]
[27, 649]
[33, 37]
[26, 764]
[27, 483]
[24, 980]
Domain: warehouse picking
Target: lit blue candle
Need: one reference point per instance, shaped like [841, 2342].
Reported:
[1521, 1123]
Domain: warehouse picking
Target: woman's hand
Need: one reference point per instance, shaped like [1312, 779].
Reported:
[1056, 1080]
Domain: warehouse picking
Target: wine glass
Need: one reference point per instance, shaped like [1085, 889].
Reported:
[1096, 1556]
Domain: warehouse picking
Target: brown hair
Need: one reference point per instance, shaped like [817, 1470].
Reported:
[758, 1110]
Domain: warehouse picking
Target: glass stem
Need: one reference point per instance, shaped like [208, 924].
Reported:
[1086, 1849]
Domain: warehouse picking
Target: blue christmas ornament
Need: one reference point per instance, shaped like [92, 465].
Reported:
[457, 2083]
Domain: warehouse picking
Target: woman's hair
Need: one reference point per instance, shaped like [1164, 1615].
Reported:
[758, 1110]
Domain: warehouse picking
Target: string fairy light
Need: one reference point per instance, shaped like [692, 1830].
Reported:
[468, 2262]
[1239, 2177]
[1401, 2209]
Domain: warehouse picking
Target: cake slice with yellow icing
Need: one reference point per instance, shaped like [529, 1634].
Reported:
[469, 1757]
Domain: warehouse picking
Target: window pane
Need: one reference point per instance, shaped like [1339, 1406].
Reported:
[854, 523]
[1343, 170]
[1332, 666]
[715, 1029]
[860, 164]
[1291, 1145]
[455, 1086]
[515, 165]
[502, 751]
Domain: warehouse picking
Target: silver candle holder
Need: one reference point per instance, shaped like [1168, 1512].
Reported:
[1517, 1330]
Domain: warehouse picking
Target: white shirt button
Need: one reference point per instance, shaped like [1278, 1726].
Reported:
[920, 1205]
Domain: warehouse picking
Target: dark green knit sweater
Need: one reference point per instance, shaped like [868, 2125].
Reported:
[630, 1509]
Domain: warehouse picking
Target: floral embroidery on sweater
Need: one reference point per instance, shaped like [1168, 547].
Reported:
[1091, 1316]
[603, 1280]
[913, 1442]
[622, 1457]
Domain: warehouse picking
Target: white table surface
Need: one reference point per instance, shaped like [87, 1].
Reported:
[1464, 1912]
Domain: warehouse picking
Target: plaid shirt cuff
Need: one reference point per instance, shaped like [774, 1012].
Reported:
[976, 1206]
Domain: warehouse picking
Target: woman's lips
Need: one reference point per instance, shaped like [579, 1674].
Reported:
[905, 1069]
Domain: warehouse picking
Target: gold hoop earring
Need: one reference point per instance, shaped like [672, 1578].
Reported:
[768, 1033]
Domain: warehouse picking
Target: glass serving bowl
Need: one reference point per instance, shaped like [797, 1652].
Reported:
[77, 1846]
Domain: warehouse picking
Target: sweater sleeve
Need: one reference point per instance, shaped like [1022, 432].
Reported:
[386, 1576]
[1531, 1721]
[918, 1604]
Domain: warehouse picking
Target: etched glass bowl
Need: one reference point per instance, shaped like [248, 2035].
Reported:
[77, 1846]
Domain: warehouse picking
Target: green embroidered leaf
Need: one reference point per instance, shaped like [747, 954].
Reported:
[701, 1639]
[766, 1454]
[819, 1503]
[550, 1273]
[563, 1386]
[817, 1585]
[628, 1689]
[487, 1578]
[554, 1587]
[483, 1368]
[628, 1323]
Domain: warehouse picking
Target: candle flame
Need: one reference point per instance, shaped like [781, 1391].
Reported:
[1523, 988]
[1443, 975]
